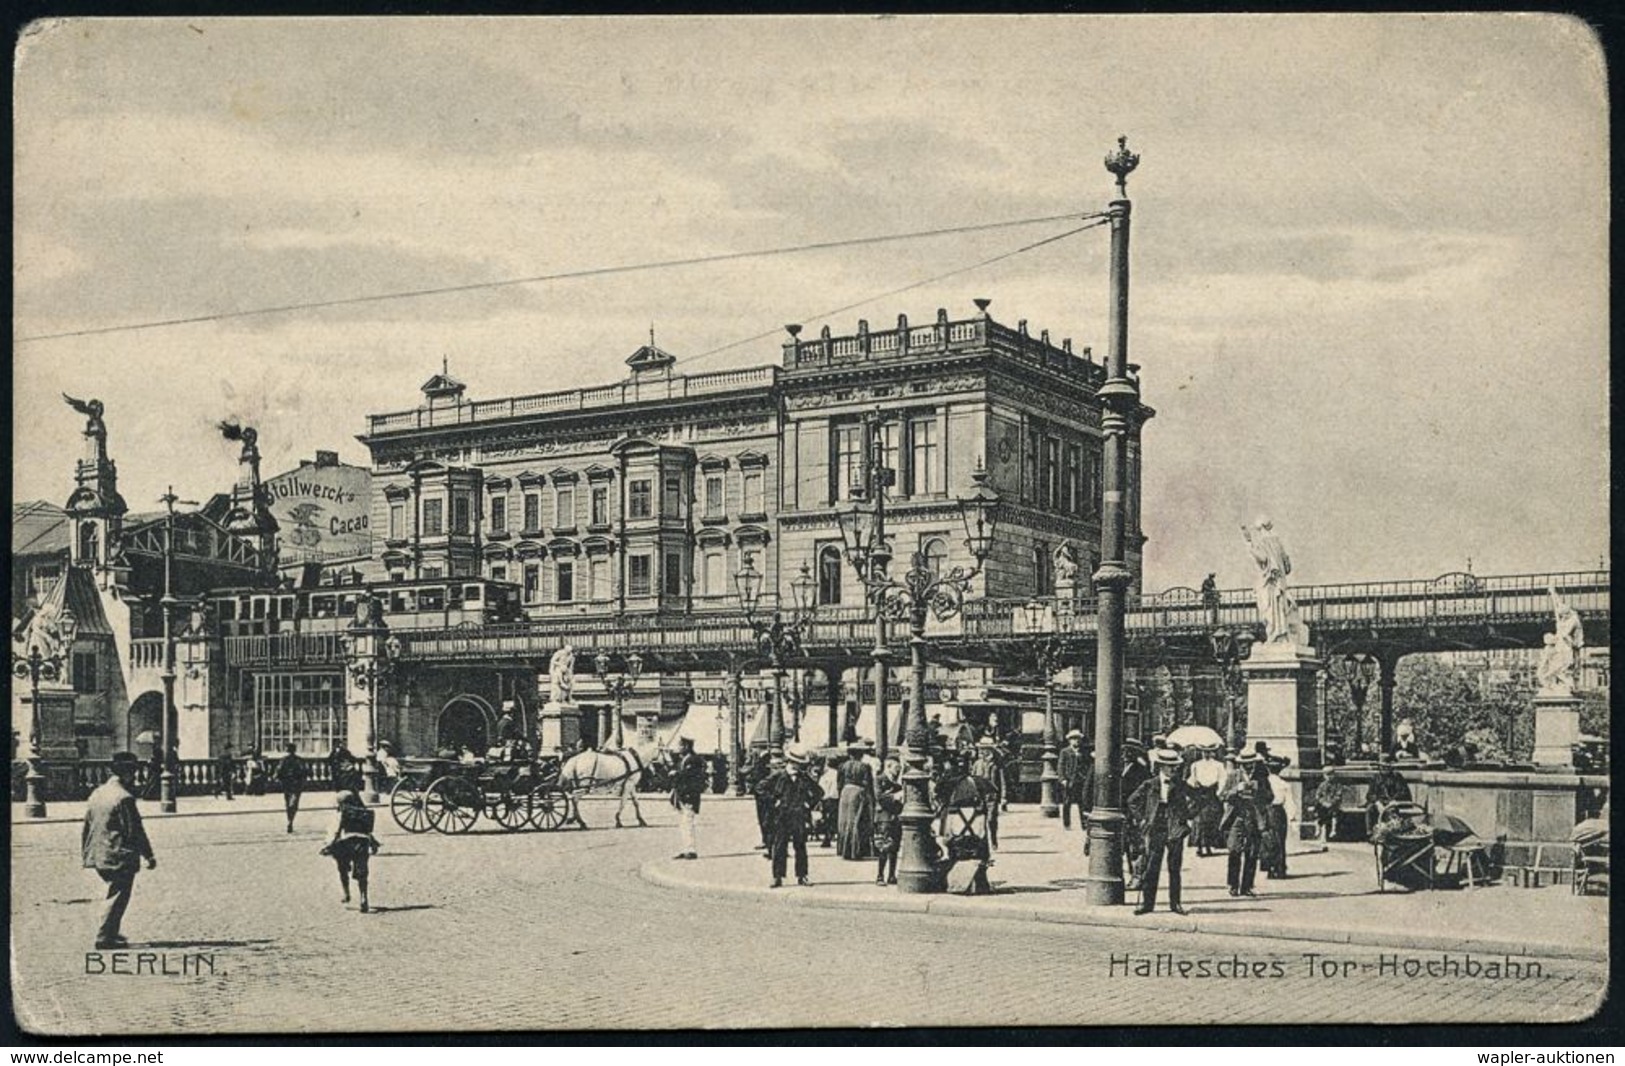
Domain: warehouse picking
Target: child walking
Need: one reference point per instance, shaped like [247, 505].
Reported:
[888, 826]
[352, 843]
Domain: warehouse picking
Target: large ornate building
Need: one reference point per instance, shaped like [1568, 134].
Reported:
[645, 497]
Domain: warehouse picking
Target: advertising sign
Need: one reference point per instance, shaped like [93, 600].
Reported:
[324, 510]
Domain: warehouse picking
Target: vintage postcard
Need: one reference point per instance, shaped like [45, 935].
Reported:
[707, 522]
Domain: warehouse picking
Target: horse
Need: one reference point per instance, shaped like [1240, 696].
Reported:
[591, 771]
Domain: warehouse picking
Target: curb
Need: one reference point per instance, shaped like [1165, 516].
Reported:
[654, 873]
[159, 816]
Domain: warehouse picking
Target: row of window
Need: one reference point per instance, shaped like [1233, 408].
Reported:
[589, 580]
[907, 447]
[639, 505]
[1066, 474]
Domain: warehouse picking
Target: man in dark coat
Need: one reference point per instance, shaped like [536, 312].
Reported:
[290, 778]
[1162, 811]
[113, 842]
[687, 786]
[758, 771]
[1136, 771]
[793, 797]
[1076, 770]
[225, 773]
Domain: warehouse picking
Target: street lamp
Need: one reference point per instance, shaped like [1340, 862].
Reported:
[1357, 671]
[921, 590]
[1230, 647]
[167, 782]
[37, 664]
[369, 672]
[618, 684]
[778, 638]
[1049, 654]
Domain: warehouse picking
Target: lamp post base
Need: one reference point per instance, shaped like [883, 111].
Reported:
[34, 783]
[369, 781]
[1103, 885]
[166, 793]
[1049, 785]
[917, 853]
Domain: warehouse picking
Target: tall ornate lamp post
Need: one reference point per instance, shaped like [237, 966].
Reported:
[778, 638]
[1230, 647]
[1050, 654]
[48, 664]
[1120, 397]
[618, 685]
[167, 782]
[375, 667]
[923, 589]
[1357, 671]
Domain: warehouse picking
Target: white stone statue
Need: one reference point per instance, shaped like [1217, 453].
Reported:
[1276, 606]
[1066, 564]
[1559, 665]
[561, 675]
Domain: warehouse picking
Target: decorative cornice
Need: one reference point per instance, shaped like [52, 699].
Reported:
[531, 479]
[394, 493]
[529, 549]
[498, 481]
[596, 545]
[750, 459]
[713, 461]
[751, 534]
[563, 546]
[711, 537]
[563, 476]
[599, 472]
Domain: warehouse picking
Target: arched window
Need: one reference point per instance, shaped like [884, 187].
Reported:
[935, 552]
[87, 542]
[829, 575]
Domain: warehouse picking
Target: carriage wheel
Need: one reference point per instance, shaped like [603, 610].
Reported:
[406, 803]
[549, 806]
[513, 810]
[453, 804]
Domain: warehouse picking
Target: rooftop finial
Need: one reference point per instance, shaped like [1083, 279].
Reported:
[445, 365]
[651, 334]
[1122, 163]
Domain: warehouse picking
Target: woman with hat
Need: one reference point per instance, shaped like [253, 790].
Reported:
[1206, 777]
[352, 843]
[855, 812]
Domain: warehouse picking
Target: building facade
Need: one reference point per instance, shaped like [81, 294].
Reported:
[644, 498]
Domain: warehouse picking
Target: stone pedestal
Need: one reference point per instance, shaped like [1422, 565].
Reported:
[558, 727]
[1557, 728]
[1281, 705]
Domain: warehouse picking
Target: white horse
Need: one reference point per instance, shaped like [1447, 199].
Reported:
[593, 771]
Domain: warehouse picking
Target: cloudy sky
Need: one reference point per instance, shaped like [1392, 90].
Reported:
[1370, 274]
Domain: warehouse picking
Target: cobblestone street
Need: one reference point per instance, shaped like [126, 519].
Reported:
[542, 931]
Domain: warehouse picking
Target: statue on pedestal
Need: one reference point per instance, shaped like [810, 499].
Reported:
[1559, 665]
[1066, 565]
[1276, 606]
[561, 672]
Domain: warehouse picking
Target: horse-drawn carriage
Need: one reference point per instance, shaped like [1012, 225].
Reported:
[449, 796]
[516, 790]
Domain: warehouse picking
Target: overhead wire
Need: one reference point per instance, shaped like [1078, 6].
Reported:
[1099, 221]
[664, 264]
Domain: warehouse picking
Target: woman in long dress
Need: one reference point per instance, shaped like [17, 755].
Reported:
[855, 816]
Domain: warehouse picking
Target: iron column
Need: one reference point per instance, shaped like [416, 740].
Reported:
[1119, 395]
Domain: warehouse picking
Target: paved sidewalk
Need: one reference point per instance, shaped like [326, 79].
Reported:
[1330, 894]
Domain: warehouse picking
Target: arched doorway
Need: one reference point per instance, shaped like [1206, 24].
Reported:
[143, 724]
[465, 721]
